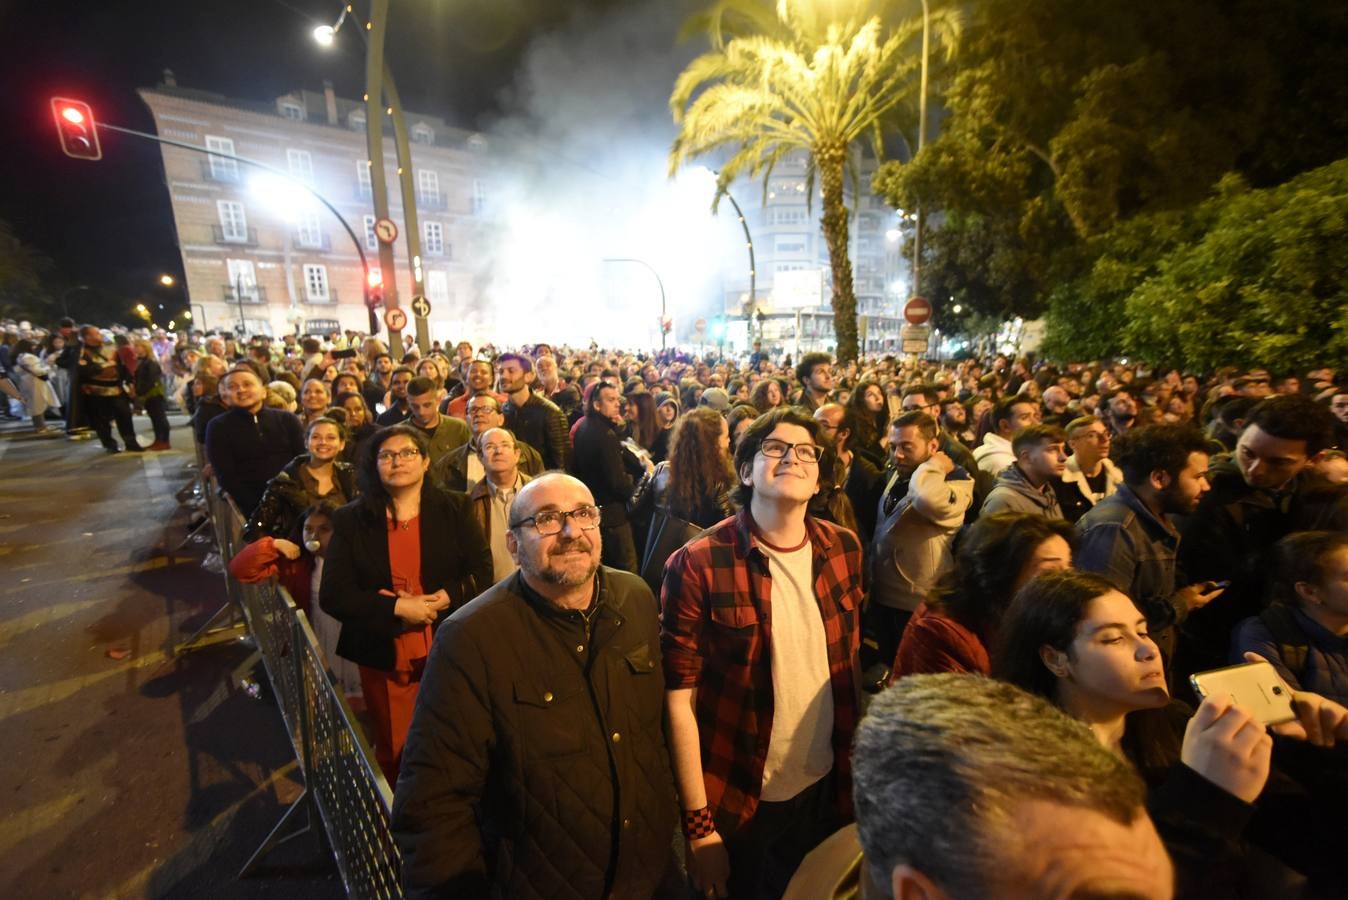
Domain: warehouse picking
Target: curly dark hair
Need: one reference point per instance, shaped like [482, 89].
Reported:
[758, 397]
[870, 426]
[699, 473]
[1152, 448]
[991, 555]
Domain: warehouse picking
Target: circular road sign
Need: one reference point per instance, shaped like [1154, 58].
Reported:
[421, 306]
[700, 325]
[386, 231]
[395, 319]
[917, 311]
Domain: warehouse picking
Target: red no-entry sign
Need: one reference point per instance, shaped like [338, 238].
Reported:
[917, 311]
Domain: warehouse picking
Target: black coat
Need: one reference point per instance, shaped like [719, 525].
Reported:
[528, 776]
[286, 498]
[541, 424]
[454, 556]
[600, 462]
[248, 450]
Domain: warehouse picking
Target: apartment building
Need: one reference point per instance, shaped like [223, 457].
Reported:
[793, 274]
[259, 255]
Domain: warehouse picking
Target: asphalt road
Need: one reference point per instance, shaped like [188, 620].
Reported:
[125, 772]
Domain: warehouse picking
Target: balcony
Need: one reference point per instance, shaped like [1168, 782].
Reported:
[224, 171]
[233, 238]
[320, 242]
[432, 200]
[328, 300]
[252, 294]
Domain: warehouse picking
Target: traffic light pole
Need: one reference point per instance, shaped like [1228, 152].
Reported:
[355, 241]
[374, 142]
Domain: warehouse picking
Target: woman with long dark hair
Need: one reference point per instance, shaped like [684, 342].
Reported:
[402, 556]
[870, 410]
[767, 395]
[955, 630]
[359, 424]
[1074, 639]
[315, 399]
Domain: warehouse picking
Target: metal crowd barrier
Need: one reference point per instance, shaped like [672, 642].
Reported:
[344, 788]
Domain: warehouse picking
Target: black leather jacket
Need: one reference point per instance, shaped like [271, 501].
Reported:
[542, 425]
[286, 498]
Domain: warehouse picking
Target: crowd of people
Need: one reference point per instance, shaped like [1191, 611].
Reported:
[890, 628]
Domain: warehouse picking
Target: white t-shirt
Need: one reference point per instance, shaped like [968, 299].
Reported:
[800, 748]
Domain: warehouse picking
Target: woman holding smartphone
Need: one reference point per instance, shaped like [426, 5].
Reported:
[1074, 639]
[400, 558]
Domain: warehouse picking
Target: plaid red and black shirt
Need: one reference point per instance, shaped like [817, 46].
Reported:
[716, 633]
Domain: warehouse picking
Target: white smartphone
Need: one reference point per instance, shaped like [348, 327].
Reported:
[1255, 686]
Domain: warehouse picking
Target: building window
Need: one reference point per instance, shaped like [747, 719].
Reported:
[786, 190]
[356, 120]
[437, 289]
[422, 134]
[433, 236]
[233, 222]
[789, 267]
[790, 243]
[477, 144]
[371, 240]
[789, 216]
[428, 186]
[221, 166]
[316, 283]
[292, 110]
[301, 165]
[242, 280]
[363, 179]
[308, 231]
[479, 200]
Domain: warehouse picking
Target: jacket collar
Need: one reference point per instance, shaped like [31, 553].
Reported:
[1129, 498]
[746, 543]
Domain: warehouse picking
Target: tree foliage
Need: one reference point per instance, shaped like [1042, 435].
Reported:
[1074, 129]
[22, 293]
[824, 77]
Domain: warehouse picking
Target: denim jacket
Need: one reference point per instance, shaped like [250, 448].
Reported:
[1123, 541]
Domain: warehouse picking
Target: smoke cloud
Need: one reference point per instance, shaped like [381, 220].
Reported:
[581, 182]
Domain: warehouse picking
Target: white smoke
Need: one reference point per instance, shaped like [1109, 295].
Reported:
[582, 179]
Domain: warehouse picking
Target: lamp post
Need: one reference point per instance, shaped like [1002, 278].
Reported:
[65, 311]
[921, 140]
[642, 262]
[380, 87]
[753, 268]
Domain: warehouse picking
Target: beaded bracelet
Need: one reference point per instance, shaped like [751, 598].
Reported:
[697, 823]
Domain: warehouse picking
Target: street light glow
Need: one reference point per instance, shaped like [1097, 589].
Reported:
[324, 35]
[893, 235]
[166, 280]
[957, 309]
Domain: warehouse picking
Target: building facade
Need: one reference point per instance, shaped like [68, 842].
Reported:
[262, 257]
[793, 276]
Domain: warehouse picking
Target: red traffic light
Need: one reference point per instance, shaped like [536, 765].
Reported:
[76, 128]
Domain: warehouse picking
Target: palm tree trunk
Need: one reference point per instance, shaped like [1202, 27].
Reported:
[830, 162]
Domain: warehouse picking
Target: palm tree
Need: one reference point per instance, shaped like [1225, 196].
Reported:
[818, 82]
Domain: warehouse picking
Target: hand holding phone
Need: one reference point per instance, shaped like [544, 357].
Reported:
[1225, 744]
[1256, 686]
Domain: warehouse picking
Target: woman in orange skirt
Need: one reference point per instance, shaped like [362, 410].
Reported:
[400, 558]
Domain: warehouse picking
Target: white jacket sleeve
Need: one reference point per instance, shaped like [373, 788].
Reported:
[941, 501]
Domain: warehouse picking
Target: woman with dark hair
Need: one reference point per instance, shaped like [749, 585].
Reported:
[149, 387]
[318, 474]
[641, 414]
[315, 398]
[1304, 632]
[1074, 639]
[402, 555]
[359, 424]
[767, 395]
[955, 630]
[740, 417]
[871, 412]
[666, 413]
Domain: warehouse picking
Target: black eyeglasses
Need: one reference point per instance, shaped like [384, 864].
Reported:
[805, 452]
[552, 521]
[406, 454]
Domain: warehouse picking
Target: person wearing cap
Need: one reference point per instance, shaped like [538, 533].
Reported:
[666, 413]
[715, 398]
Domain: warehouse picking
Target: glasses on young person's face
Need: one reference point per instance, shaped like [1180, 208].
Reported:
[406, 454]
[775, 449]
[552, 521]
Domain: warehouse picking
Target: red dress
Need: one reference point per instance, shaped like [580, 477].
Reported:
[390, 697]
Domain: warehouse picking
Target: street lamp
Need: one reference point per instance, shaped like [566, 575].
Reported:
[749, 243]
[642, 262]
[65, 310]
[167, 280]
[378, 86]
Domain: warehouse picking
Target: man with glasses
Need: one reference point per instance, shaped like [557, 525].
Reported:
[494, 494]
[536, 764]
[461, 468]
[1089, 475]
[761, 720]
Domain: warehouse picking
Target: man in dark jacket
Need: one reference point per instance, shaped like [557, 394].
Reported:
[248, 445]
[533, 419]
[535, 765]
[1266, 491]
[609, 472]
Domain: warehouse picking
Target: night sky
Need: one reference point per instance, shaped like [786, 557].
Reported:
[108, 223]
